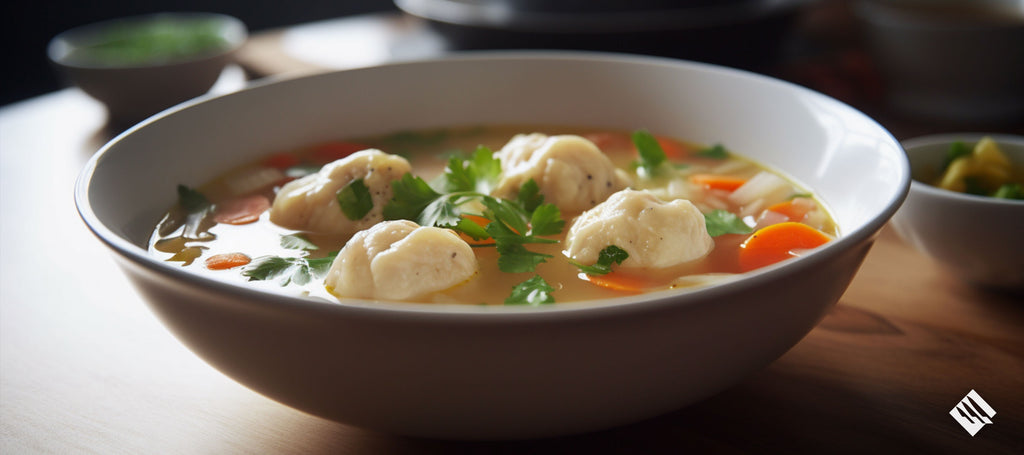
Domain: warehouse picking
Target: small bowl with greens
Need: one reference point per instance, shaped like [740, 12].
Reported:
[965, 208]
[140, 65]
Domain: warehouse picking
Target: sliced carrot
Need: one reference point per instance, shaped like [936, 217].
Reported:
[795, 209]
[281, 161]
[243, 210]
[332, 151]
[717, 182]
[607, 141]
[674, 150]
[621, 281]
[227, 261]
[482, 222]
[778, 242]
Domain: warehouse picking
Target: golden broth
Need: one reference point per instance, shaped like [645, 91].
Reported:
[428, 153]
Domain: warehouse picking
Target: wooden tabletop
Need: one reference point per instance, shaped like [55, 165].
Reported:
[86, 368]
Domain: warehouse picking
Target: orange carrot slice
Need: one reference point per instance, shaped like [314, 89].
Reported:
[243, 210]
[795, 209]
[281, 161]
[778, 242]
[227, 261]
[482, 222]
[717, 182]
[674, 150]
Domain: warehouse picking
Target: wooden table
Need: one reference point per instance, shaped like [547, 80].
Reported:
[86, 368]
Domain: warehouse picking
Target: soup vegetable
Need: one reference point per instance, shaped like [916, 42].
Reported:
[492, 215]
[983, 170]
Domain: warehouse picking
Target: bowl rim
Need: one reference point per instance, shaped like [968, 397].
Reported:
[232, 29]
[944, 139]
[506, 313]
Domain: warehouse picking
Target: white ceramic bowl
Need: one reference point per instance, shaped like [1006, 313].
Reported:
[134, 90]
[471, 372]
[977, 238]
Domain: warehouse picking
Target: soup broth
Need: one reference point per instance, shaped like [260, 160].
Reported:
[224, 229]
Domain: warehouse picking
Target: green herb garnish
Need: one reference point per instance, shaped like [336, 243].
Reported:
[610, 255]
[720, 222]
[1009, 191]
[957, 149]
[355, 200]
[534, 292]
[650, 152]
[285, 270]
[297, 242]
[717, 152]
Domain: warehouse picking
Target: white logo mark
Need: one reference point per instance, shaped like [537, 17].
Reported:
[973, 413]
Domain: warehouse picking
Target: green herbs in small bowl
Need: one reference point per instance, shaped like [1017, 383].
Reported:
[154, 40]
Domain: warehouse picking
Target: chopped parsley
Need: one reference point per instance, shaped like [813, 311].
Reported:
[534, 292]
[297, 242]
[286, 270]
[465, 183]
[721, 222]
[717, 152]
[610, 255]
[650, 152]
[355, 200]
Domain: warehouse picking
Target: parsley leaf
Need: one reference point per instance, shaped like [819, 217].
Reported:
[286, 270]
[534, 291]
[192, 200]
[478, 174]
[546, 220]
[721, 222]
[355, 200]
[611, 254]
[529, 197]
[717, 152]
[297, 242]
[410, 196]
[651, 154]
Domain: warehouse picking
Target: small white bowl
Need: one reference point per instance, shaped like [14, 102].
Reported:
[132, 90]
[485, 372]
[979, 239]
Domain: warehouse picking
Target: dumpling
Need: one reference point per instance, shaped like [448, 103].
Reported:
[655, 233]
[400, 260]
[311, 204]
[571, 171]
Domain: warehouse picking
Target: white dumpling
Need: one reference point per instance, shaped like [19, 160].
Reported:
[570, 171]
[655, 233]
[400, 260]
[310, 203]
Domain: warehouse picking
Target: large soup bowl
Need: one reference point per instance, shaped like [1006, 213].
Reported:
[482, 372]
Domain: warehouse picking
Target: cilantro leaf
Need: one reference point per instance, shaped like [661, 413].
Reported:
[534, 291]
[444, 212]
[410, 196]
[529, 196]
[477, 174]
[651, 154]
[717, 152]
[355, 200]
[192, 200]
[471, 229]
[720, 222]
[515, 258]
[297, 242]
[286, 270]
[546, 220]
[506, 212]
[611, 254]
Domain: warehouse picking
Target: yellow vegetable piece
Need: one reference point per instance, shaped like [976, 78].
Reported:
[986, 167]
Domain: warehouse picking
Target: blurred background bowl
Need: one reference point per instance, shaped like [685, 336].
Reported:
[978, 238]
[949, 60]
[137, 66]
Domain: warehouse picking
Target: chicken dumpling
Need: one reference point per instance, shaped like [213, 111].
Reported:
[655, 233]
[311, 204]
[571, 171]
[400, 260]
